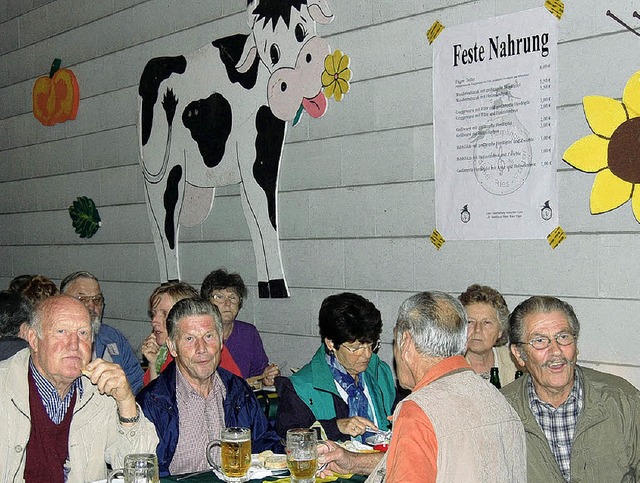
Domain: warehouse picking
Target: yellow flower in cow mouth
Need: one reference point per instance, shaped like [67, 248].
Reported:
[336, 75]
[613, 150]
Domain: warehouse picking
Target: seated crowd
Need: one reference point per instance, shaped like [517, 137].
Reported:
[65, 373]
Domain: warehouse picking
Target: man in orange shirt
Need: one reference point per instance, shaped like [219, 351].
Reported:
[454, 426]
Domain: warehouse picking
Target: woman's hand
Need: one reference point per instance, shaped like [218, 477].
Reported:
[354, 426]
[269, 374]
[150, 349]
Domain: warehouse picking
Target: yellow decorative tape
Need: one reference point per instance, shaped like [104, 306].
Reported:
[556, 237]
[437, 239]
[556, 7]
[434, 31]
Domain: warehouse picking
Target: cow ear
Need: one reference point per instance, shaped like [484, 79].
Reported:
[320, 11]
[249, 53]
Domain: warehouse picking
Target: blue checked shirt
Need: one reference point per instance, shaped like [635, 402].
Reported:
[55, 406]
[559, 424]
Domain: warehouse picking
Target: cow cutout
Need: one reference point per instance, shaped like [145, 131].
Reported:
[219, 117]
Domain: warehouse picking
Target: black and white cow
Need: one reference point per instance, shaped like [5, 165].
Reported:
[219, 116]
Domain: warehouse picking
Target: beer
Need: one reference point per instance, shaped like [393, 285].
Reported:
[302, 469]
[495, 377]
[236, 457]
[302, 454]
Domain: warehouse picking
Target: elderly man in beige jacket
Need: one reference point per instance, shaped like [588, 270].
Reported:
[57, 425]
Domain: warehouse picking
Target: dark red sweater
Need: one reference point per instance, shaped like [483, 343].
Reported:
[48, 446]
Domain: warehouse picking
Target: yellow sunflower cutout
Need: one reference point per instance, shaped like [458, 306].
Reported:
[336, 75]
[613, 150]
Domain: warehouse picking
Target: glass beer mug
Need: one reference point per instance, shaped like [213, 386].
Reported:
[138, 468]
[235, 453]
[302, 455]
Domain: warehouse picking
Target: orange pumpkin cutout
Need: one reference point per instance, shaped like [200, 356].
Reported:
[56, 97]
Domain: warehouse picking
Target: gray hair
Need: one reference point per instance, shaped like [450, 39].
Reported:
[74, 276]
[436, 322]
[190, 307]
[483, 294]
[535, 305]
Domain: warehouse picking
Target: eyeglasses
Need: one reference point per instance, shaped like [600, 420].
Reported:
[361, 348]
[97, 300]
[220, 298]
[542, 342]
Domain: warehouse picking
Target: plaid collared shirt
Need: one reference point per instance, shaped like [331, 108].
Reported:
[200, 421]
[559, 424]
[55, 406]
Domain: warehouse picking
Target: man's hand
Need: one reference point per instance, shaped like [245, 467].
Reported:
[111, 380]
[343, 462]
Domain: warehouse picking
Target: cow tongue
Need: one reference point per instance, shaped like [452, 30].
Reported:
[315, 107]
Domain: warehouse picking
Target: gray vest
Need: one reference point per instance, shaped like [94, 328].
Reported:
[480, 436]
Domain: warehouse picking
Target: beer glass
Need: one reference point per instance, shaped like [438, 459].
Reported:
[302, 455]
[235, 453]
[138, 468]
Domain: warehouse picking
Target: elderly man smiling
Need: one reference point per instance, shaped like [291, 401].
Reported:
[56, 425]
[581, 424]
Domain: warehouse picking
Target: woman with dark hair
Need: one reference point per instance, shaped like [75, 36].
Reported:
[243, 352]
[488, 316]
[345, 388]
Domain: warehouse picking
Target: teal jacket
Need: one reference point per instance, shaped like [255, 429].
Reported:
[311, 395]
[606, 444]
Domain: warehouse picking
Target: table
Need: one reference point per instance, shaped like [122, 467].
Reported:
[212, 478]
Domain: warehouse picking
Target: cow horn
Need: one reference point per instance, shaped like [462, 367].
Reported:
[320, 11]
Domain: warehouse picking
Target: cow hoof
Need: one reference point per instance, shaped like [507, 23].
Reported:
[278, 289]
[263, 290]
[273, 289]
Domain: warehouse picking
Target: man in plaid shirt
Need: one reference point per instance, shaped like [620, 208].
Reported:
[581, 424]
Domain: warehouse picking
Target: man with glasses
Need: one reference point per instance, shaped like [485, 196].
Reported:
[109, 343]
[581, 424]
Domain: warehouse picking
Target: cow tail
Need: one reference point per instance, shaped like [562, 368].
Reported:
[169, 103]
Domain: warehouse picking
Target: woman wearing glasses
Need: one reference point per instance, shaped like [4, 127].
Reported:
[243, 352]
[345, 388]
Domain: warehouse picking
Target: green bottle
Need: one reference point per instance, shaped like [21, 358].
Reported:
[494, 378]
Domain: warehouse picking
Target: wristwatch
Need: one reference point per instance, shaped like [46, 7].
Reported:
[134, 419]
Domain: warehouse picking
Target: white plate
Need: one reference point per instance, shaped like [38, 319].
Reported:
[115, 480]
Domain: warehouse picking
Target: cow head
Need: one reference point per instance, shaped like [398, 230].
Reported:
[283, 35]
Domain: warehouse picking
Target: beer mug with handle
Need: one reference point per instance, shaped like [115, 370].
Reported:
[302, 454]
[235, 453]
[138, 468]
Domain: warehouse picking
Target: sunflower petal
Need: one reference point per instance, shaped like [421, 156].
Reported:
[328, 65]
[588, 154]
[337, 55]
[609, 192]
[635, 202]
[344, 63]
[631, 95]
[345, 75]
[330, 89]
[603, 114]
[327, 79]
[344, 86]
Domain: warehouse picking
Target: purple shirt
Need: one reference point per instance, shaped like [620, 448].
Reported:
[245, 346]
